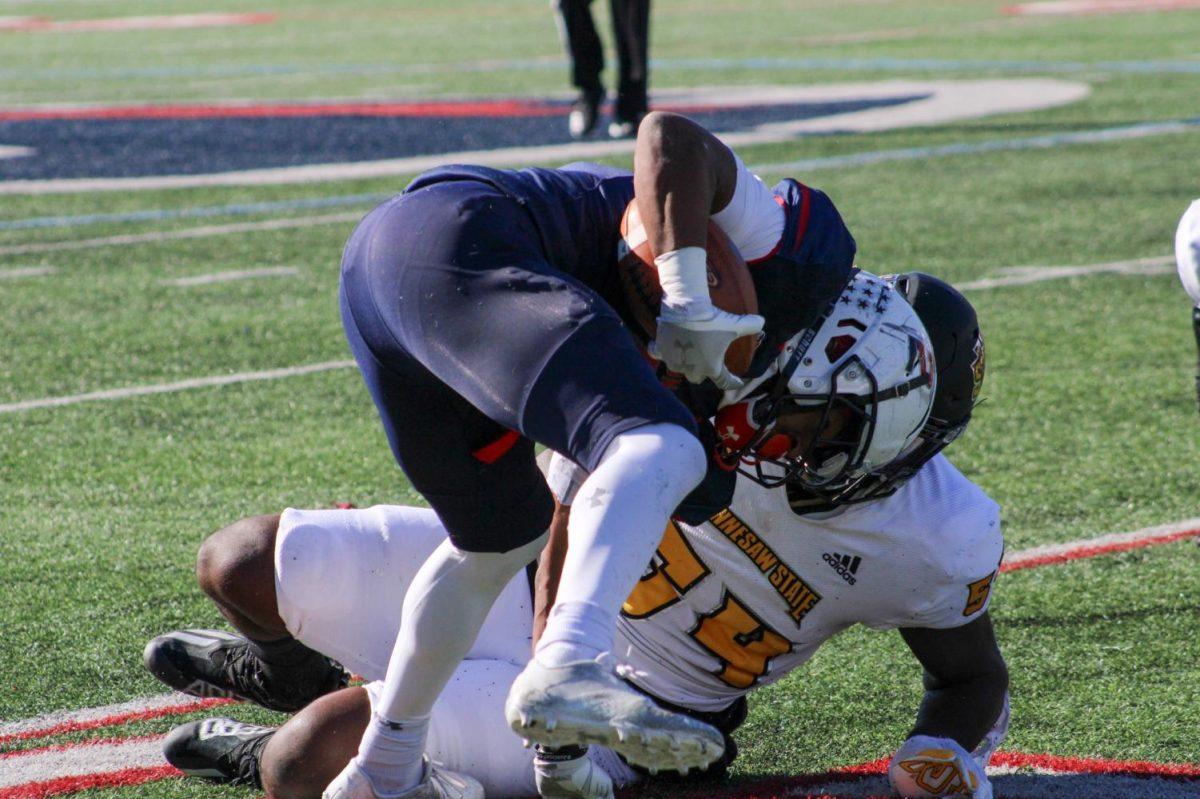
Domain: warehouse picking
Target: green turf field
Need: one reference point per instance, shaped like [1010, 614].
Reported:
[1090, 424]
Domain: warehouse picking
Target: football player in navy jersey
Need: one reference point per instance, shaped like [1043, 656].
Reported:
[475, 305]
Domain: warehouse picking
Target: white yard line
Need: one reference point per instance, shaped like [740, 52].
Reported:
[40, 725]
[79, 760]
[1024, 275]
[1100, 545]
[1084, 7]
[187, 233]
[167, 388]
[1013, 276]
[236, 274]
[26, 271]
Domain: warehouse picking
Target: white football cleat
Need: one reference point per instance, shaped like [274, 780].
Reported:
[584, 703]
[436, 783]
[929, 768]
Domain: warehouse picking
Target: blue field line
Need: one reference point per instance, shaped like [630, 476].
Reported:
[161, 214]
[1120, 133]
[882, 64]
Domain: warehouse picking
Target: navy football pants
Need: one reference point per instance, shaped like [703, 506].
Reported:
[463, 331]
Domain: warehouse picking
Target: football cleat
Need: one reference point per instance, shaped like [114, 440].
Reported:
[436, 783]
[212, 663]
[929, 768]
[582, 119]
[584, 703]
[218, 749]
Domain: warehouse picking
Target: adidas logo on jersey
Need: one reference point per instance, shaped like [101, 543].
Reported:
[845, 565]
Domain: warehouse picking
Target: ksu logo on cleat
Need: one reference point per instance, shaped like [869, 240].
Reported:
[845, 565]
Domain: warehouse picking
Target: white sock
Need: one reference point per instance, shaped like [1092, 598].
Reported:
[617, 520]
[444, 608]
[391, 752]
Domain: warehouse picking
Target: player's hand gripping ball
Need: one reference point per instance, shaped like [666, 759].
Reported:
[729, 283]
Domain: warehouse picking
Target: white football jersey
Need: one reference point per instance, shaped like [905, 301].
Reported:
[749, 595]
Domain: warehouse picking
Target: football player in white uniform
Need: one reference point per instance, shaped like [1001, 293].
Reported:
[728, 603]
[1187, 259]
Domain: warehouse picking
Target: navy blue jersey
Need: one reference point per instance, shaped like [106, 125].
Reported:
[805, 272]
[577, 210]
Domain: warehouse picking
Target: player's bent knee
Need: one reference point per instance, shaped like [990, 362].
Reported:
[315, 745]
[237, 558]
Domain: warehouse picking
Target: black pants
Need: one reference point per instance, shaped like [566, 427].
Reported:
[631, 25]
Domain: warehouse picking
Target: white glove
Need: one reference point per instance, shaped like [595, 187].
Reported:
[693, 335]
[694, 342]
[927, 767]
[567, 775]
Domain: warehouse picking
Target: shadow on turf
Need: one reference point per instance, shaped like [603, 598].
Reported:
[1006, 786]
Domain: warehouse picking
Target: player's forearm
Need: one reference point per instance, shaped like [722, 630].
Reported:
[549, 570]
[682, 174]
[963, 710]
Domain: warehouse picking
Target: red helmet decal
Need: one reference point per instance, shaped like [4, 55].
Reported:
[735, 425]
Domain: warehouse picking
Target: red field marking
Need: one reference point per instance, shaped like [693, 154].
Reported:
[448, 108]
[1081, 7]
[112, 720]
[85, 782]
[20, 23]
[859, 781]
[168, 22]
[1091, 765]
[1102, 545]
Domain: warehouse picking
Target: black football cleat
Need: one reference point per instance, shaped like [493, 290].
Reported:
[584, 112]
[222, 750]
[212, 663]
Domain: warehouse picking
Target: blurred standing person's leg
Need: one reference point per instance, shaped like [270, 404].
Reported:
[631, 26]
[586, 54]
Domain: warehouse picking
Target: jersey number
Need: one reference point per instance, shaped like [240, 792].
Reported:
[742, 642]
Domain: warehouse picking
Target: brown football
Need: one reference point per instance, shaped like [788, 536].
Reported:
[729, 282]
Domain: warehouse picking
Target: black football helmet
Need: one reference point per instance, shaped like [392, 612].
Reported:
[958, 354]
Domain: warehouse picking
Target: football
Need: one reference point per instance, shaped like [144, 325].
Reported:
[729, 282]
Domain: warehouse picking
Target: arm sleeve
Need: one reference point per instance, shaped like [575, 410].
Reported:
[753, 219]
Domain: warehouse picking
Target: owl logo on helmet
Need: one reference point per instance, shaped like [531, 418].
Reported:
[977, 366]
[841, 399]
